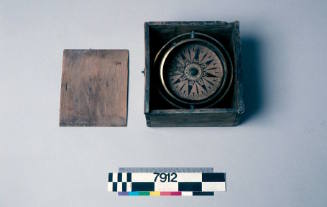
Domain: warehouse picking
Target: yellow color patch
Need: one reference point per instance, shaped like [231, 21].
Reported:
[155, 193]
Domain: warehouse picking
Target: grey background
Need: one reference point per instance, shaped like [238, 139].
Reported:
[277, 157]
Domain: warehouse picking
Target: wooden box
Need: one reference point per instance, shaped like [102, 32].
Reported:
[161, 113]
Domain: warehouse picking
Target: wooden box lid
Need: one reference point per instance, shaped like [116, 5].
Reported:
[94, 88]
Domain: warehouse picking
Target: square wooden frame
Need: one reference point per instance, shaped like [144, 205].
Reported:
[229, 34]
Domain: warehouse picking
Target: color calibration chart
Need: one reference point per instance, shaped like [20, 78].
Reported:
[166, 182]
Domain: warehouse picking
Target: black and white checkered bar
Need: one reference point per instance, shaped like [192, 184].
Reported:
[133, 182]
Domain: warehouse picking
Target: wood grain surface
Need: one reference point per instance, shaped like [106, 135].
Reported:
[94, 88]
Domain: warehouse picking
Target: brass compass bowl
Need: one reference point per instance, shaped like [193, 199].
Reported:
[195, 71]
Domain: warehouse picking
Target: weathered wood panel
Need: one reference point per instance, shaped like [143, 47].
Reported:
[94, 88]
[194, 118]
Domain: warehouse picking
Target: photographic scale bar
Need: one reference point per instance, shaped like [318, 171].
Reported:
[156, 193]
[166, 182]
[168, 177]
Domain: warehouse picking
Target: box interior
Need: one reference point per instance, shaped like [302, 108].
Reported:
[161, 33]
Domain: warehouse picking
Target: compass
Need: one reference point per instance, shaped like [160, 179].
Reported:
[195, 71]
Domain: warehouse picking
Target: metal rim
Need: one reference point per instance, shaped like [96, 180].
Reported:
[213, 45]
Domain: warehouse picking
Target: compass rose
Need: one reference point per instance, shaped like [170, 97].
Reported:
[195, 72]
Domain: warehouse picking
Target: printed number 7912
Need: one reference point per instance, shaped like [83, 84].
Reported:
[165, 177]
